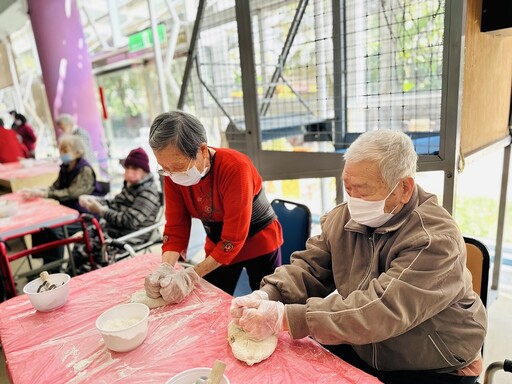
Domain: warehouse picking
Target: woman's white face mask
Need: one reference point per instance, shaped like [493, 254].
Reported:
[370, 213]
[191, 177]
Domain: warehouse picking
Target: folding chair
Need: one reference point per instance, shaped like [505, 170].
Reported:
[478, 262]
[295, 218]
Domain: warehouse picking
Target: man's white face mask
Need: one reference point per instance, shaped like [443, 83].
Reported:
[370, 213]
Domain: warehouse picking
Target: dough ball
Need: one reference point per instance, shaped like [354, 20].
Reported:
[247, 350]
[141, 297]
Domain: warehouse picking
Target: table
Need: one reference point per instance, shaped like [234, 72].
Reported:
[64, 346]
[32, 216]
[38, 173]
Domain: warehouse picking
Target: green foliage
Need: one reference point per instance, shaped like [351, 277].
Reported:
[478, 216]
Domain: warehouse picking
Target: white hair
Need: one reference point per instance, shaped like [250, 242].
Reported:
[66, 119]
[393, 151]
[74, 142]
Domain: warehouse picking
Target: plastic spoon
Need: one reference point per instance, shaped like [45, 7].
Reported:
[217, 372]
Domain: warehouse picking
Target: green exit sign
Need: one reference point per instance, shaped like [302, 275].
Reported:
[144, 39]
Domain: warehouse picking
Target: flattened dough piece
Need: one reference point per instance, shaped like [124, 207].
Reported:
[247, 350]
[141, 297]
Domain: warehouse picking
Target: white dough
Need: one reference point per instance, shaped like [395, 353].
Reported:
[141, 297]
[247, 350]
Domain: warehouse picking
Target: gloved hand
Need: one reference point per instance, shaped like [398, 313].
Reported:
[252, 300]
[92, 204]
[174, 288]
[32, 193]
[152, 281]
[264, 321]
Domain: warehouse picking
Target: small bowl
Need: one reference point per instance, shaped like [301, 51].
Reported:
[48, 300]
[124, 327]
[192, 375]
[8, 208]
[27, 163]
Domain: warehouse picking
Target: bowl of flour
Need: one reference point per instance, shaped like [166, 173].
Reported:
[124, 327]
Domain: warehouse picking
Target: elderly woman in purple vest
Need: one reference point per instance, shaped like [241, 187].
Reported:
[76, 177]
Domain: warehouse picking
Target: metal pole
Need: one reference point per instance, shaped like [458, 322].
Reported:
[18, 101]
[249, 89]
[191, 53]
[158, 57]
[339, 72]
[451, 96]
[501, 219]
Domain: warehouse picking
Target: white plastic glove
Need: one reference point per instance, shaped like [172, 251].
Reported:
[175, 287]
[264, 321]
[152, 281]
[252, 300]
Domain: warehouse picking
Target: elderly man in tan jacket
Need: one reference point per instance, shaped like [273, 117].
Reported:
[385, 285]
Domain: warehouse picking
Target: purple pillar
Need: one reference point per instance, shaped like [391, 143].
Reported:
[66, 67]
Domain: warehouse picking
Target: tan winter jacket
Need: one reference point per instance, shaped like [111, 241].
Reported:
[403, 299]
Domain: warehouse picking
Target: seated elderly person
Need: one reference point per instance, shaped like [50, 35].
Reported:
[76, 177]
[11, 149]
[135, 207]
[385, 285]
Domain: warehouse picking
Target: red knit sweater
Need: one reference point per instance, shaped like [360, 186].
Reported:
[233, 182]
[11, 149]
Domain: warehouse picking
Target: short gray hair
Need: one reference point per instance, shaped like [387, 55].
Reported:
[179, 129]
[75, 142]
[393, 150]
[66, 119]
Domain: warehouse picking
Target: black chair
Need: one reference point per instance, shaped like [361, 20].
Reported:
[295, 218]
[478, 262]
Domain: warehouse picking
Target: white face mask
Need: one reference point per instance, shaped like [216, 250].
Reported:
[369, 213]
[191, 177]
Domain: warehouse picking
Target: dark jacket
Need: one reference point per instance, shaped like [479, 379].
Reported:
[70, 184]
[135, 207]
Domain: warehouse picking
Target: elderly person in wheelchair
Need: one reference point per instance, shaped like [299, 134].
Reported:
[135, 207]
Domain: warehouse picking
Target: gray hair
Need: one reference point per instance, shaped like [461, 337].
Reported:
[393, 150]
[179, 129]
[75, 142]
[66, 119]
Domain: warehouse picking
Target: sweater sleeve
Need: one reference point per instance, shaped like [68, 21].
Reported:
[82, 184]
[145, 203]
[177, 220]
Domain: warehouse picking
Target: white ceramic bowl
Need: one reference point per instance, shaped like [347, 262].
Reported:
[124, 327]
[191, 375]
[27, 163]
[49, 300]
[8, 208]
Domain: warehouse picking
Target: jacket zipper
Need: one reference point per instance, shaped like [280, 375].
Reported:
[374, 351]
[369, 264]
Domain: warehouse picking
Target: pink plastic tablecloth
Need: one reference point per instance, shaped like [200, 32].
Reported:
[33, 214]
[64, 346]
[9, 171]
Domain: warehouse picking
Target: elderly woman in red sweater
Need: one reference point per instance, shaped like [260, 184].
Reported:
[223, 189]
[25, 132]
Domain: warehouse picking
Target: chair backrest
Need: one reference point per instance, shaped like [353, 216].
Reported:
[295, 219]
[478, 263]
[105, 187]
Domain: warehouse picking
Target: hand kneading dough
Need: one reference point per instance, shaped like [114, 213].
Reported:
[141, 297]
[247, 350]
